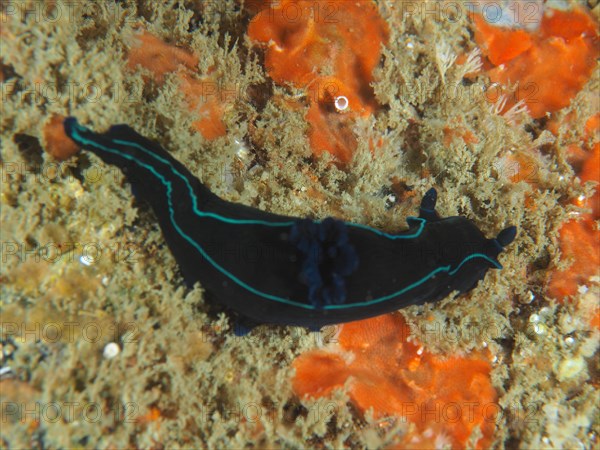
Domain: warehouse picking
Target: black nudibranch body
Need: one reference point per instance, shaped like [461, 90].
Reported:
[271, 268]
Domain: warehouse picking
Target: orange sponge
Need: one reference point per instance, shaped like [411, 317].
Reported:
[446, 397]
[550, 65]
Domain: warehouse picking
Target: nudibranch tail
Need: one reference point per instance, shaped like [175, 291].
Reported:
[147, 166]
[292, 271]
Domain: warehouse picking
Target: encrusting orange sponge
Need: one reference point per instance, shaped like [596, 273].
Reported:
[579, 238]
[500, 44]
[55, 141]
[550, 65]
[161, 59]
[158, 57]
[329, 47]
[446, 398]
[324, 37]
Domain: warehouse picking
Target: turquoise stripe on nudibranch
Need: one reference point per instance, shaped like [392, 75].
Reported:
[286, 270]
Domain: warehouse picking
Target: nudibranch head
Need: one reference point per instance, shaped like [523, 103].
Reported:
[469, 260]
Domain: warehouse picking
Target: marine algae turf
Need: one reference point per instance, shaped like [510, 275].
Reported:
[182, 377]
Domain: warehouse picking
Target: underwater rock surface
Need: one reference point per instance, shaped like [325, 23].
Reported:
[103, 346]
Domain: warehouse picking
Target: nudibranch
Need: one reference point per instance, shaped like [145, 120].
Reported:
[271, 268]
